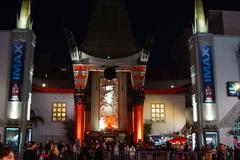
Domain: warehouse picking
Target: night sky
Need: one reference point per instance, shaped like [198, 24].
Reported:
[167, 19]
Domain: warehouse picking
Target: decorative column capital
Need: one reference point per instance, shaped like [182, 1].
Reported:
[79, 95]
[138, 96]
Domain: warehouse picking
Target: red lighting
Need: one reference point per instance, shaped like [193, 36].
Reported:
[138, 123]
[79, 122]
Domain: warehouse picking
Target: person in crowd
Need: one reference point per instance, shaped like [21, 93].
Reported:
[61, 146]
[68, 152]
[48, 144]
[237, 151]
[84, 155]
[99, 154]
[1, 145]
[6, 153]
[110, 151]
[132, 152]
[54, 152]
[31, 152]
[235, 141]
[221, 151]
[40, 147]
[76, 148]
[126, 151]
[91, 145]
[208, 153]
[116, 151]
[44, 155]
[229, 153]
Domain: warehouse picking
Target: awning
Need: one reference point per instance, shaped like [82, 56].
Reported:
[179, 139]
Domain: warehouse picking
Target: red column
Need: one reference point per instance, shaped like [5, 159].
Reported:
[79, 122]
[130, 118]
[87, 121]
[138, 122]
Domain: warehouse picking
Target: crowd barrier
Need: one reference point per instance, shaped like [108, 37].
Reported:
[157, 155]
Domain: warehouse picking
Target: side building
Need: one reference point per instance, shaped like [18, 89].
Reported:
[214, 68]
[5, 39]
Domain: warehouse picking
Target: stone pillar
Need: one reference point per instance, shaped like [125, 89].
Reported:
[138, 115]
[138, 78]
[79, 96]
[80, 73]
[88, 116]
[129, 118]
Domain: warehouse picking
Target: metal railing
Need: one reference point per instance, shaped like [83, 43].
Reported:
[156, 155]
[150, 155]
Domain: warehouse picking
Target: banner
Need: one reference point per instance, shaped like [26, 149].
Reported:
[206, 61]
[17, 69]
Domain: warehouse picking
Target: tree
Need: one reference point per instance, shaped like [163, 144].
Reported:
[69, 128]
[147, 127]
[35, 119]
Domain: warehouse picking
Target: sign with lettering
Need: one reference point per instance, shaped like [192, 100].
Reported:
[16, 74]
[205, 52]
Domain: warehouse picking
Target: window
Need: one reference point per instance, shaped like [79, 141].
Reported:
[59, 111]
[158, 112]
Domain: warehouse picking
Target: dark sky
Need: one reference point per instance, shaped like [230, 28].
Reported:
[168, 17]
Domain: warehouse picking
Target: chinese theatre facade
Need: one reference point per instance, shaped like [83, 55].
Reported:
[109, 71]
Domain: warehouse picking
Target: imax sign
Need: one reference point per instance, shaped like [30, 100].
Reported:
[207, 73]
[17, 68]
[18, 58]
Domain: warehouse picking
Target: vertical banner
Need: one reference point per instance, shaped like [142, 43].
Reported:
[205, 51]
[17, 69]
[109, 104]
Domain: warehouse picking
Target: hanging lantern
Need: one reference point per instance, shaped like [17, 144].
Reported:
[110, 73]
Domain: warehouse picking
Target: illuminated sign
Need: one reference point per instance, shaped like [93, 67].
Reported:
[12, 137]
[207, 73]
[233, 89]
[17, 68]
[211, 138]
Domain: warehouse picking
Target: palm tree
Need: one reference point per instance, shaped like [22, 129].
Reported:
[147, 127]
[35, 119]
[69, 128]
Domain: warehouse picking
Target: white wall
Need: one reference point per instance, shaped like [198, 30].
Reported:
[175, 112]
[226, 69]
[42, 105]
[5, 38]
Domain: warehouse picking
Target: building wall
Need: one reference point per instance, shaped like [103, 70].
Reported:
[5, 38]
[226, 69]
[231, 22]
[174, 109]
[224, 22]
[42, 105]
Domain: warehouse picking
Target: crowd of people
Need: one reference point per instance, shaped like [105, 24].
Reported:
[6, 153]
[96, 150]
[221, 152]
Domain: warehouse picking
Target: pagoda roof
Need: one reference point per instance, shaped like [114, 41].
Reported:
[109, 32]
